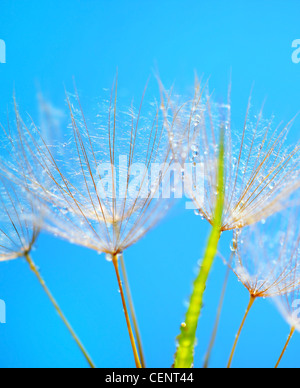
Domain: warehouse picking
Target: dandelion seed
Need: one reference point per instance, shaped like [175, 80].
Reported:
[18, 234]
[96, 191]
[102, 210]
[255, 265]
[261, 171]
[288, 303]
[256, 269]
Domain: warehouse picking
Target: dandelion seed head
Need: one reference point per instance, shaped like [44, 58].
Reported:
[17, 233]
[261, 170]
[268, 261]
[93, 180]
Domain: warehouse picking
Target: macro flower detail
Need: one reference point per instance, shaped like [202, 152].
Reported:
[105, 184]
[19, 212]
[267, 261]
[17, 234]
[96, 183]
[288, 305]
[268, 267]
[111, 175]
[261, 170]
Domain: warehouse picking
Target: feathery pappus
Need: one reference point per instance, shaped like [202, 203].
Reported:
[288, 303]
[21, 214]
[17, 233]
[267, 261]
[267, 257]
[105, 184]
[101, 185]
[261, 170]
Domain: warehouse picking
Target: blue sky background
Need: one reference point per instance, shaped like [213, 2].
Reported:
[48, 44]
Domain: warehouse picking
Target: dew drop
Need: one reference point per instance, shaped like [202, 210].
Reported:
[108, 257]
[261, 178]
[233, 245]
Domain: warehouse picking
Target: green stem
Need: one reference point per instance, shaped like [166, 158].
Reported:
[35, 270]
[132, 312]
[286, 346]
[184, 356]
[252, 300]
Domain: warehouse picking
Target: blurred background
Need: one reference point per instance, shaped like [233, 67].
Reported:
[47, 45]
